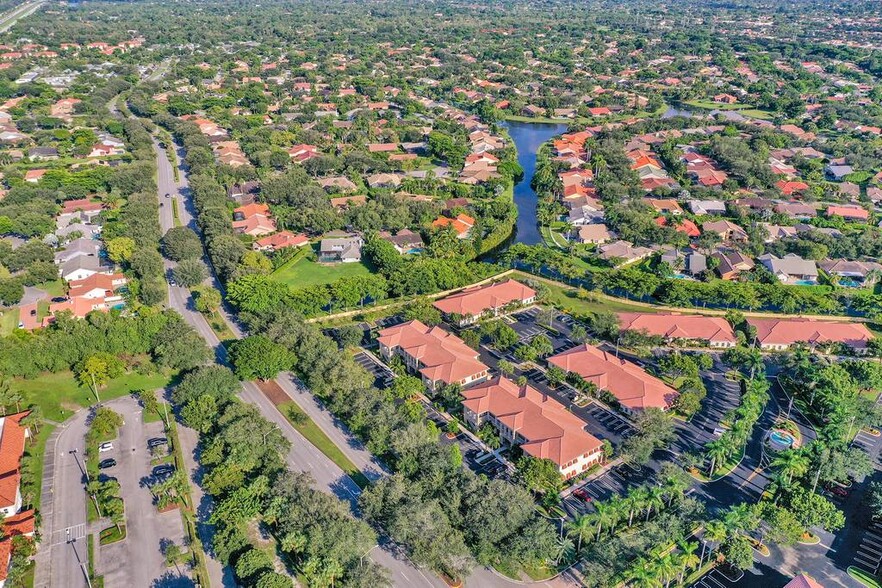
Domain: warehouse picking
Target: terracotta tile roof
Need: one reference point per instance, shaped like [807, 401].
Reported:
[551, 432]
[461, 224]
[679, 326]
[476, 301]
[632, 387]
[12, 443]
[857, 212]
[107, 282]
[792, 331]
[253, 209]
[803, 581]
[83, 204]
[444, 356]
[22, 523]
[282, 239]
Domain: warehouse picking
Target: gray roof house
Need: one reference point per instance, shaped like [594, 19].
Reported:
[341, 249]
[791, 269]
[77, 248]
[837, 172]
[83, 229]
[692, 262]
[707, 207]
[81, 267]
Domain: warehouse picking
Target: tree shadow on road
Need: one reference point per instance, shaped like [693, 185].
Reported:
[173, 580]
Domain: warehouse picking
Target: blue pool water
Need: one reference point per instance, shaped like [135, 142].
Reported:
[804, 283]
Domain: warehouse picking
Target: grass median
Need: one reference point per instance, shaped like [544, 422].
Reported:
[307, 427]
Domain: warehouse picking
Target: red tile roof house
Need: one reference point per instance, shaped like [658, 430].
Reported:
[633, 388]
[439, 357]
[468, 306]
[540, 425]
[280, 240]
[254, 220]
[803, 581]
[781, 334]
[12, 445]
[712, 331]
[849, 213]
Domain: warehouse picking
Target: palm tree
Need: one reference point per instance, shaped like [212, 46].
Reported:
[715, 532]
[636, 499]
[717, 450]
[791, 463]
[667, 569]
[642, 574]
[654, 499]
[688, 559]
[564, 549]
[674, 486]
[582, 527]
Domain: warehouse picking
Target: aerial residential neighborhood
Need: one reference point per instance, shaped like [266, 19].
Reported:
[427, 294]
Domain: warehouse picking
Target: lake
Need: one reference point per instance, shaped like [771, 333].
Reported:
[528, 137]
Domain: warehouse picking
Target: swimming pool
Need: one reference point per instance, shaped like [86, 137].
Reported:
[805, 283]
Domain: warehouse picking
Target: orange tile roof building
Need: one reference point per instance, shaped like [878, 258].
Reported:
[803, 581]
[470, 305]
[781, 334]
[539, 424]
[12, 445]
[439, 357]
[713, 331]
[280, 240]
[633, 388]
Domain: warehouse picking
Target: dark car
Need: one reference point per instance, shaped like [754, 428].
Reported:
[156, 442]
[59, 299]
[163, 470]
[838, 490]
[106, 463]
[581, 495]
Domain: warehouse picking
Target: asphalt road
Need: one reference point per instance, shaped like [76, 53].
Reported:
[18, 13]
[64, 513]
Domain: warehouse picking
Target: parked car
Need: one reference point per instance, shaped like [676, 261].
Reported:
[163, 470]
[105, 447]
[106, 463]
[837, 490]
[581, 495]
[156, 442]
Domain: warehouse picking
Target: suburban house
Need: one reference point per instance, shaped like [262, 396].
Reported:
[707, 207]
[81, 267]
[405, 241]
[280, 240]
[852, 272]
[688, 261]
[253, 219]
[732, 263]
[837, 172]
[623, 252]
[797, 210]
[439, 357]
[462, 224]
[712, 331]
[727, 230]
[781, 334]
[791, 269]
[849, 212]
[78, 247]
[341, 249]
[633, 388]
[472, 304]
[593, 234]
[98, 286]
[539, 424]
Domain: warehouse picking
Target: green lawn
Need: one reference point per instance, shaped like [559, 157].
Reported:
[37, 448]
[307, 427]
[863, 577]
[53, 288]
[564, 297]
[305, 272]
[59, 394]
[744, 109]
[8, 321]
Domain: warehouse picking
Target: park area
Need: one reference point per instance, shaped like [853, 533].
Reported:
[303, 272]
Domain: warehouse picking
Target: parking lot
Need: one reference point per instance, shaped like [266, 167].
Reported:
[383, 376]
[138, 558]
[614, 481]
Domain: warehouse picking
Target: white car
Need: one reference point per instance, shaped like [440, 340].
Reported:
[105, 447]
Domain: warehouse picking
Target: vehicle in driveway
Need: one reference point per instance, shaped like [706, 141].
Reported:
[106, 463]
[837, 490]
[581, 495]
[105, 447]
[156, 442]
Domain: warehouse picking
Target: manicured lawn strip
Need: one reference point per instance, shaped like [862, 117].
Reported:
[8, 321]
[565, 299]
[220, 327]
[97, 581]
[53, 288]
[27, 579]
[59, 394]
[305, 272]
[307, 427]
[863, 577]
[112, 535]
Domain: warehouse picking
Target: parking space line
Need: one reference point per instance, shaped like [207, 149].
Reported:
[873, 552]
[872, 566]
